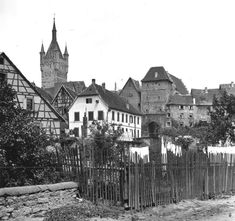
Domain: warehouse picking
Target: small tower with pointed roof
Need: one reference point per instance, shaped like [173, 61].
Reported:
[53, 64]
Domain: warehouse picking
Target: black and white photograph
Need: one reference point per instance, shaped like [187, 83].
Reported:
[117, 110]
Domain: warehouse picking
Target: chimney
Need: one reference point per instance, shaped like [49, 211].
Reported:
[103, 86]
[127, 106]
[206, 91]
[232, 84]
[194, 100]
[93, 81]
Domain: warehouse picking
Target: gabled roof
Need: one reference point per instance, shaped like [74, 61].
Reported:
[135, 83]
[178, 99]
[75, 86]
[160, 74]
[70, 92]
[113, 100]
[36, 91]
[157, 74]
[204, 96]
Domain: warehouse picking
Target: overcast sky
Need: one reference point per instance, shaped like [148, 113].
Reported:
[112, 40]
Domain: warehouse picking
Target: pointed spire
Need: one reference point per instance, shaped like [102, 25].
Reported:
[66, 50]
[54, 30]
[42, 49]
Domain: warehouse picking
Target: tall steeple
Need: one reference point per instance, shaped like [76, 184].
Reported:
[54, 31]
[54, 65]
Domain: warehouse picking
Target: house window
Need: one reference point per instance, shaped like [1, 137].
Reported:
[1, 60]
[126, 118]
[131, 119]
[88, 100]
[134, 119]
[168, 114]
[138, 133]
[2, 77]
[100, 115]
[181, 115]
[181, 107]
[190, 116]
[126, 130]
[138, 120]
[29, 104]
[190, 107]
[122, 117]
[181, 124]
[113, 115]
[118, 116]
[76, 116]
[90, 115]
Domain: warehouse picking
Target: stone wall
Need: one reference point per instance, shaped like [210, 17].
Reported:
[34, 201]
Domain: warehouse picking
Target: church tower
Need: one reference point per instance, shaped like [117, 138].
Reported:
[54, 64]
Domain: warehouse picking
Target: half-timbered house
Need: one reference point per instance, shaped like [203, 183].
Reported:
[30, 98]
[63, 99]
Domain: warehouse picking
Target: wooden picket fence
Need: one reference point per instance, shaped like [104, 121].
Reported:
[137, 184]
[191, 175]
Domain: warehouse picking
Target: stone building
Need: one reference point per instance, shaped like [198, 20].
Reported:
[54, 64]
[188, 110]
[54, 70]
[152, 96]
[157, 86]
[132, 92]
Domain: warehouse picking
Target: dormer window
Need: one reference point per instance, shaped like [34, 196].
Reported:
[156, 74]
[88, 100]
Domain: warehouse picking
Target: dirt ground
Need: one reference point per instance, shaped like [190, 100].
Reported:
[222, 209]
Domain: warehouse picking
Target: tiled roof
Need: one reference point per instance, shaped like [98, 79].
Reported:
[204, 96]
[76, 86]
[54, 46]
[180, 87]
[71, 92]
[113, 100]
[229, 88]
[46, 95]
[181, 99]
[157, 74]
[136, 84]
[160, 74]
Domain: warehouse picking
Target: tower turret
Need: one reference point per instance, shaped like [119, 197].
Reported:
[54, 32]
[42, 54]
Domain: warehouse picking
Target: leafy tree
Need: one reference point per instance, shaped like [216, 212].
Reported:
[103, 142]
[22, 143]
[222, 117]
